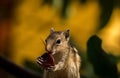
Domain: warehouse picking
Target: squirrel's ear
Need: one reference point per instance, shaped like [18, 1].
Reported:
[51, 30]
[66, 33]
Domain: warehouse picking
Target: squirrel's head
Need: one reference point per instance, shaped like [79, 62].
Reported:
[57, 41]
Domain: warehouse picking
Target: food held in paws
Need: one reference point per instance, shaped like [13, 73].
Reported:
[46, 60]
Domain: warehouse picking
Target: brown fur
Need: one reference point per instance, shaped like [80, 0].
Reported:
[67, 60]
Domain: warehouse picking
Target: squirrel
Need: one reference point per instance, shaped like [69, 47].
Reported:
[66, 57]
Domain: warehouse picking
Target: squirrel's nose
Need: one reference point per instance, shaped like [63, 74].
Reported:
[48, 48]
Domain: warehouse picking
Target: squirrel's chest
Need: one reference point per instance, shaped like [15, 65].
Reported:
[69, 63]
[69, 70]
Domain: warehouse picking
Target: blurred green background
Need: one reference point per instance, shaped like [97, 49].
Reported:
[24, 25]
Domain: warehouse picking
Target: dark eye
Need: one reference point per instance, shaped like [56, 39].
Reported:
[58, 41]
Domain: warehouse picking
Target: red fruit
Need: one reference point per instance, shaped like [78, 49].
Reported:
[46, 60]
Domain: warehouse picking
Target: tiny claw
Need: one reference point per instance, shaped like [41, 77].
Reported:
[39, 62]
[41, 59]
[50, 68]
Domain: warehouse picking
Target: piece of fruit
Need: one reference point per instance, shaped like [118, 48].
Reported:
[46, 61]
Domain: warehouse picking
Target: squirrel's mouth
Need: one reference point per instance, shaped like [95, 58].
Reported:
[46, 60]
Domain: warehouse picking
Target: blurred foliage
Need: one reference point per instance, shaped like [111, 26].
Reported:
[107, 9]
[103, 66]
[49, 2]
[31, 65]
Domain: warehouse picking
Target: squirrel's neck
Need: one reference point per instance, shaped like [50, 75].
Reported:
[62, 56]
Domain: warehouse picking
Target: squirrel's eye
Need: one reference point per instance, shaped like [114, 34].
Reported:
[58, 41]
